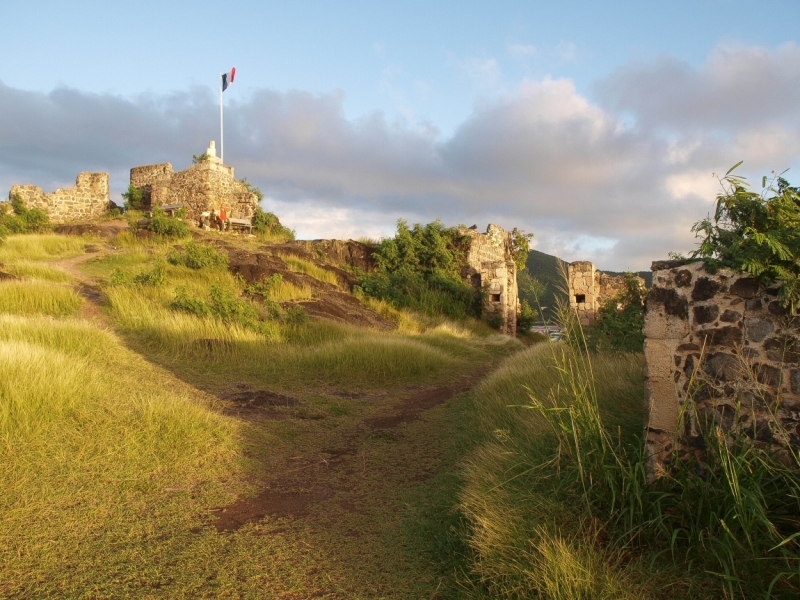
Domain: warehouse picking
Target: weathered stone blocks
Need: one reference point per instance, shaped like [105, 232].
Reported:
[205, 186]
[726, 343]
[590, 289]
[490, 264]
[86, 200]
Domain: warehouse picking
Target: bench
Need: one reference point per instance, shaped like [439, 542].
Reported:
[242, 224]
[171, 209]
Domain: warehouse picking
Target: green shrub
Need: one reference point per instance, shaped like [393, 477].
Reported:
[198, 256]
[526, 317]
[168, 227]
[133, 198]
[189, 304]
[620, 321]
[266, 223]
[755, 233]
[420, 269]
[15, 217]
[155, 276]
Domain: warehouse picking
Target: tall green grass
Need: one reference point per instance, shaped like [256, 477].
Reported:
[37, 297]
[565, 464]
[525, 521]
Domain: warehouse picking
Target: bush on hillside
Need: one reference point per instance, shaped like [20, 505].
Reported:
[198, 256]
[225, 305]
[266, 223]
[419, 269]
[15, 217]
[167, 227]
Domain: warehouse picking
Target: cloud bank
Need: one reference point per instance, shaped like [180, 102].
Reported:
[618, 179]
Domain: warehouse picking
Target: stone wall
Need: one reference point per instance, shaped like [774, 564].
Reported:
[740, 349]
[490, 265]
[590, 289]
[206, 186]
[86, 200]
[145, 176]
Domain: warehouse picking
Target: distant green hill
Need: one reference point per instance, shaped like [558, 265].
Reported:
[545, 269]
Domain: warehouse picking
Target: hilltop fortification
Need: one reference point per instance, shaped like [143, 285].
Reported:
[208, 185]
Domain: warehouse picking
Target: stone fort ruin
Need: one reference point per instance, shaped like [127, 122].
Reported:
[491, 266]
[207, 185]
[86, 200]
[590, 289]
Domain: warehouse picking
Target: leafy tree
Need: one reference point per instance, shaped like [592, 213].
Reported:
[520, 247]
[133, 198]
[755, 233]
[420, 268]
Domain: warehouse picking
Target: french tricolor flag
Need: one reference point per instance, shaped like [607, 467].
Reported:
[227, 78]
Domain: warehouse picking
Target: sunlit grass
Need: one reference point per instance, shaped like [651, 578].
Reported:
[284, 291]
[90, 434]
[37, 297]
[45, 246]
[29, 269]
[527, 542]
[300, 265]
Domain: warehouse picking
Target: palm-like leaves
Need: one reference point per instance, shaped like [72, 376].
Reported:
[755, 233]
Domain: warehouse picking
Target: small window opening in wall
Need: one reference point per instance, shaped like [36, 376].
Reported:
[580, 298]
[475, 280]
[494, 297]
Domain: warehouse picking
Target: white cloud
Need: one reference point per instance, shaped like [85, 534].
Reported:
[543, 157]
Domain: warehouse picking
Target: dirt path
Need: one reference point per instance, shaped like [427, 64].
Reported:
[334, 467]
[86, 286]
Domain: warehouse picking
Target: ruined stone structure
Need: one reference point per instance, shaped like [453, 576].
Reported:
[490, 266]
[86, 200]
[206, 186]
[738, 346]
[590, 289]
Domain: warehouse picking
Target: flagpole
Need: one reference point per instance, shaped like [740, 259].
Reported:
[221, 136]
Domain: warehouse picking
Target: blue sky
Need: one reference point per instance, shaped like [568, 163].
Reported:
[350, 115]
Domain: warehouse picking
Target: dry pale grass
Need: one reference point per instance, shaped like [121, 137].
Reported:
[38, 298]
[41, 246]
